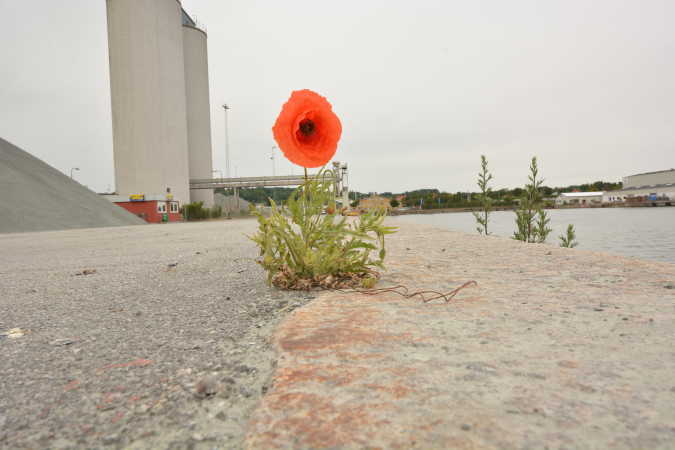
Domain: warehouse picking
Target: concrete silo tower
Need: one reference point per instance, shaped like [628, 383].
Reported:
[198, 108]
[147, 78]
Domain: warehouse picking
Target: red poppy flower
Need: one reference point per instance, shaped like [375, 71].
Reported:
[307, 130]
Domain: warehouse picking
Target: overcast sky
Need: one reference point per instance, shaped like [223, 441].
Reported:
[423, 88]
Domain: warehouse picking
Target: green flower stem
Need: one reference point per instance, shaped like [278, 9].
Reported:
[300, 247]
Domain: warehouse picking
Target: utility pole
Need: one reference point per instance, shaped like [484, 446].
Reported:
[227, 143]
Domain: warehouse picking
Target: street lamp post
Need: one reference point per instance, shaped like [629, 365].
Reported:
[71, 171]
[227, 142]
[236, 191]
[274, 169]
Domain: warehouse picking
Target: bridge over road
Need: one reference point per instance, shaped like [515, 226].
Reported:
[248, 182]
[339, 175]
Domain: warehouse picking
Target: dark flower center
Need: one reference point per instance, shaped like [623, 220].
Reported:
[307, 127]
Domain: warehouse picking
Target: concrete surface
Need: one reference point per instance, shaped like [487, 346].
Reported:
[169, 345]
[165, 345]
[35, 197]
[555, 349]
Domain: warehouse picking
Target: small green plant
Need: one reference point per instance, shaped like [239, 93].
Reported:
[300, 248]
[541, 228]
[196, 211]
[568, 240]
[531, 219]
[394, 203]
[482, 216]
[216, 212]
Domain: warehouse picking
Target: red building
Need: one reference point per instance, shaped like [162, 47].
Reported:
[152, 210]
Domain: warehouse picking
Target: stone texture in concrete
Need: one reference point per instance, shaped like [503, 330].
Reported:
[555, 348]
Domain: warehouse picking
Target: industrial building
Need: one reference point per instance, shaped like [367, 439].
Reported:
[160, 105]
[660, 178]
[645, 187]
[579, 198]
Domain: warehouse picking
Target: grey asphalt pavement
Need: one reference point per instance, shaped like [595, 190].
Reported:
[153, 336]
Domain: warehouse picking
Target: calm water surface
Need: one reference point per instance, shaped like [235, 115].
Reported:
[647, 233]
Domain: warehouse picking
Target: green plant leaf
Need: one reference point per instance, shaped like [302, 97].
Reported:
[298, 243]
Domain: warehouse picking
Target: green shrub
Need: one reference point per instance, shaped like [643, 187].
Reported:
[195, 211]
[483, 215]
[216, 211]
[300, 248]
[568, 240]
[531, 219]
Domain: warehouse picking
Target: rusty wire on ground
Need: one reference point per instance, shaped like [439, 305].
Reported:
[403, 291]
[350, 283]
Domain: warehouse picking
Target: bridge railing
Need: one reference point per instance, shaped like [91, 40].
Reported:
[244, 182]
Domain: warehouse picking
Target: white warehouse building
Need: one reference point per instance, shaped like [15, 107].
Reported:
[160, 100]
[644, 187]
[579, 198]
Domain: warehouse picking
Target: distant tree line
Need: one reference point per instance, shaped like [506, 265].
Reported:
[431, 198]
[260, 195]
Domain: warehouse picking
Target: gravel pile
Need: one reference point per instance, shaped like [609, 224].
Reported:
[137, 337]
[37, 197]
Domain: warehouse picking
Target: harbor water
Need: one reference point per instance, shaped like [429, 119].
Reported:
[646, 233]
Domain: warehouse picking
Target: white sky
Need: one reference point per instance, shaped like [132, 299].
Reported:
[423, 88]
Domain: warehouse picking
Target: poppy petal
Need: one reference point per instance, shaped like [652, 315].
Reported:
[307, 130]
